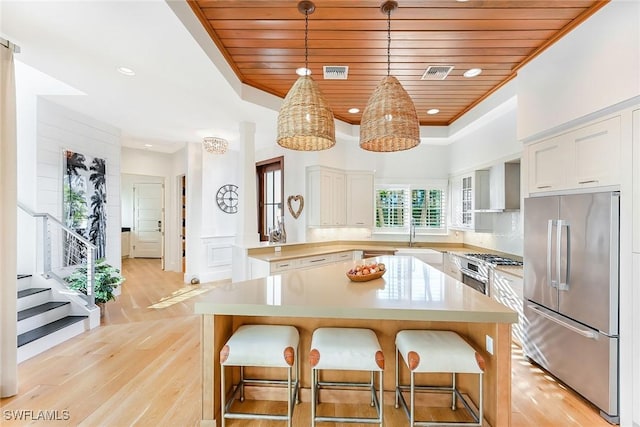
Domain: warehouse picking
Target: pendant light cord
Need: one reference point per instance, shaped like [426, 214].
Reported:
[306, 47]
[388, 42]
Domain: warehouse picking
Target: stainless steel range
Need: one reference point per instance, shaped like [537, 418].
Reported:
[476, 269]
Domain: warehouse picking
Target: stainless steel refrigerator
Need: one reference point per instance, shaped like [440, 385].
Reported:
[571, 264]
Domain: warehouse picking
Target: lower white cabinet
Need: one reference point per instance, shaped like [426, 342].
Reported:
[508, 290]
[452, 264]
[125, 243]
[259, 268]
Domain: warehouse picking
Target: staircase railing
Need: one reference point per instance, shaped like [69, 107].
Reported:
[63, 250]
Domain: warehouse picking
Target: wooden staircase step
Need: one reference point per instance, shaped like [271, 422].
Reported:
[39, 309]
[31, 291]
[47, 329]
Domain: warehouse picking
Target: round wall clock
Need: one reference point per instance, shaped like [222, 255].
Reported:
[227, 198]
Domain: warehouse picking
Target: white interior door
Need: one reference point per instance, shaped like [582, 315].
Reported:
[148, 219]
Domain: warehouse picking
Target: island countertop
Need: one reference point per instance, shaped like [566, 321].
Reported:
[410, 290]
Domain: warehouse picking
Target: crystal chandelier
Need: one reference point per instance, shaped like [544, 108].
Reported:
[215, 145]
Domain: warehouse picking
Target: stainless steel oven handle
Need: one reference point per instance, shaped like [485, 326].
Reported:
[474, 275]
[585, 333]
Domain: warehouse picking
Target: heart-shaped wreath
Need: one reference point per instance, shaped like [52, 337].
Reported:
[297, 198]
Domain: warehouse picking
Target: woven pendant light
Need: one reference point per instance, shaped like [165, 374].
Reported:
[389, 121]
[305, 120]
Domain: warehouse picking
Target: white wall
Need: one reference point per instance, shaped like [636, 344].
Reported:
[60, 129]
[593, 67]
[169, 167]
[487, 144]
[30, 85]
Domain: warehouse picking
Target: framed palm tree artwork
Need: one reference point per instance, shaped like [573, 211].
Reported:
[84, 204]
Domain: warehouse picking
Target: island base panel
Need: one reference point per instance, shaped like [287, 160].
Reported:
[216, 330]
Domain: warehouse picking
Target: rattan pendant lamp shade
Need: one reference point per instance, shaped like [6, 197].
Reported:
[305, 120]
[389, 121]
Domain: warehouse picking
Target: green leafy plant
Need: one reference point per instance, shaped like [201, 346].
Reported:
[106, 279]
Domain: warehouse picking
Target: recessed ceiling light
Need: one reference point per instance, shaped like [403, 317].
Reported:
[433, 111]
[303, 71]
[126, 71]
[148, 145]
[354, 110]
[473, 72]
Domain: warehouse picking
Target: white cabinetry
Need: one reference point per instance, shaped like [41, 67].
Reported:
[636, 180]
[470, 192]
[326, 192]
[452, 264]
[259, 268]
[360, 199]
[339, 198]
[588, 156]
[508, 289]
[125, 243]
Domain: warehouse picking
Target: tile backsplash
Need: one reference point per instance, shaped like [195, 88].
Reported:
[506, 237]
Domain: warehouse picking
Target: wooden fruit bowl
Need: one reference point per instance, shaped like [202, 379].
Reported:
[367, 277]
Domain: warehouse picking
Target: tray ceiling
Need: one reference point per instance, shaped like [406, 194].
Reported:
[264, 44]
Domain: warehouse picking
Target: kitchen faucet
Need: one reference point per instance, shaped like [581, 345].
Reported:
[412, 232]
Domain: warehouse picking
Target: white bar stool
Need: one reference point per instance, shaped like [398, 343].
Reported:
[346, 349]
[267, 346]
[431, 352]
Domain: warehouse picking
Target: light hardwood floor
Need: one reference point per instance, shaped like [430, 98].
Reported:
[142, 367]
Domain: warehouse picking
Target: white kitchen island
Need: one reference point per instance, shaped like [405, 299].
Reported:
[411, 295]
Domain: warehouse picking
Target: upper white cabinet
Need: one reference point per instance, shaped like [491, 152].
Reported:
[339, 198]
[360, 199]
[584, 157]
[326, 192]
[469, 193]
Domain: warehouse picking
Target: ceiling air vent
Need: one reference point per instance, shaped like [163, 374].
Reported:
[437, 72]
[335, 72]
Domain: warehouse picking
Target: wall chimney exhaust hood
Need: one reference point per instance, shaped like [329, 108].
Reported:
[503, 189]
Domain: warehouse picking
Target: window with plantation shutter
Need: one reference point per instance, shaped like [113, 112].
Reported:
[399, 206]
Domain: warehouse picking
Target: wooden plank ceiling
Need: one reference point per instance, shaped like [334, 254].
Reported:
[263, 41]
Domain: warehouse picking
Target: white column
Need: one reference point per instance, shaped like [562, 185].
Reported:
[194, 211]
[8, 223]
[248, 225]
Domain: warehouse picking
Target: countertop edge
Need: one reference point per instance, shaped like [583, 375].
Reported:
[364, 313]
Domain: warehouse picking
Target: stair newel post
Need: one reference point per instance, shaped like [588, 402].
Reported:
[46, 247]
[91, 272]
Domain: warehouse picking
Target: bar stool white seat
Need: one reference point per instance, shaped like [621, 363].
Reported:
[437, 352]
[267, 346]
[346, 349]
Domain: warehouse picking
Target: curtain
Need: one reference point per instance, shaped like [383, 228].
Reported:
[8, 225]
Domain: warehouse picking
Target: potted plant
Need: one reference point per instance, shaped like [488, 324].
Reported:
[106, 279]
